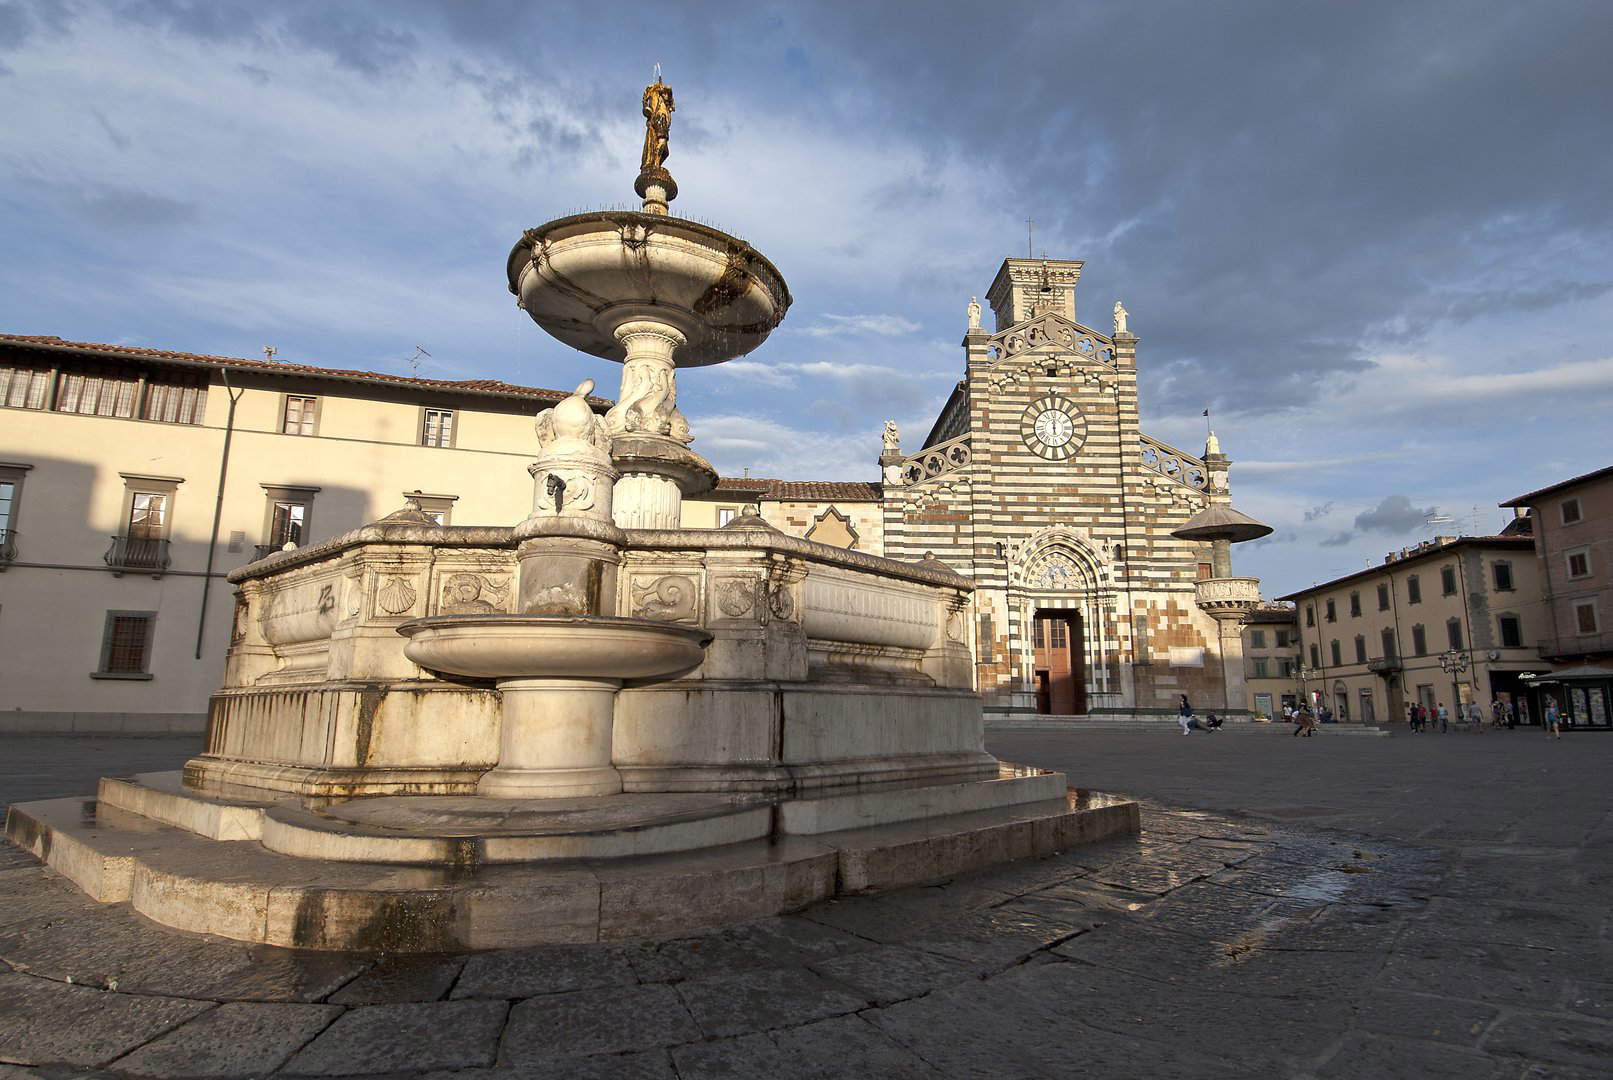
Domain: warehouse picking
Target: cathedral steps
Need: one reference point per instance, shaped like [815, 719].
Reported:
[1137, 725]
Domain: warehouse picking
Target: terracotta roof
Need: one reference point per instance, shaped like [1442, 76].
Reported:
[463, 386]
[797, 490]
[1526, 500]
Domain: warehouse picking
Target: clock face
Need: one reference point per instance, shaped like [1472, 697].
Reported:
[1053, 427]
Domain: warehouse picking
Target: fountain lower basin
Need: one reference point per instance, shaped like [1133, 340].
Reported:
[557, 676]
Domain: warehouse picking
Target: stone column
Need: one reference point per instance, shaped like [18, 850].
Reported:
[650, 450]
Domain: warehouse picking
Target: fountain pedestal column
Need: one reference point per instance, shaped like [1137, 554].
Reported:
[556, 741]
[651, 435]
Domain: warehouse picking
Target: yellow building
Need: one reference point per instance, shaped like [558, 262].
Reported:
[1271, 655]
[132, 480]
[1451, 621]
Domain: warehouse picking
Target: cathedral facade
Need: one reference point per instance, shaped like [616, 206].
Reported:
[1100, 554]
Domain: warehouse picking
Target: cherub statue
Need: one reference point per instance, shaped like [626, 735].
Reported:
[573, 419]
[893, 438]
[658, 109]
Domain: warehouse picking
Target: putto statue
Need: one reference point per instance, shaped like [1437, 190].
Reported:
[1120, 319]
[974, 313]
[893, 438]
[572, 425]
[658, 109]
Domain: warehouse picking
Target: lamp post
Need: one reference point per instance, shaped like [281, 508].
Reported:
[1305, 673]
[1453, 662]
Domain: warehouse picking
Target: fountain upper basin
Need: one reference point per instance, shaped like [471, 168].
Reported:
[582, 277]
[576, 646]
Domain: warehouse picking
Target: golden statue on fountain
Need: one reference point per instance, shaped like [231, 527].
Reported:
[655, 185]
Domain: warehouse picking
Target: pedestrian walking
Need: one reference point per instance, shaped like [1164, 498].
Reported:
[1512, 715]
[1411, 716]
[1184, 714]
[1444, 719]
[1498, 713]
[1304, 723]
[1553, 721]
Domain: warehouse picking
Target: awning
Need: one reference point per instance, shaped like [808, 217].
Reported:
[1583, 673]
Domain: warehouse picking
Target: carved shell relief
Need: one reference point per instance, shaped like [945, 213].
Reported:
[353, 604]
[395, 596]
[242, 618]
[780, 604]
[670, 598]
[736, 597]
[474, 594]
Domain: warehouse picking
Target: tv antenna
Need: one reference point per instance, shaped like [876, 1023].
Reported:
[414, 361]
[268, 353]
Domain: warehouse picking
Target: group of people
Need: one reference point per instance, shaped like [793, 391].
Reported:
[1509, 714]
[1192, 722]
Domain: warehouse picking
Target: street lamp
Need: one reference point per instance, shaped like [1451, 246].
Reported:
[1453, 662]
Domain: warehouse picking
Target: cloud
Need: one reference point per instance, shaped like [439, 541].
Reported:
[1338, 539]
[1317, 512]
[1393, 515]
[861, 326]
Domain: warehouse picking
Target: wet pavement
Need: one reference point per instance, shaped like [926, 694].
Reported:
[1403, 907]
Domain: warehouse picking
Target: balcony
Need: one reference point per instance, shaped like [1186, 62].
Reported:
[143, 554]
[8, 547]
[1228, 596]
[1385, 665]
[1571, 645]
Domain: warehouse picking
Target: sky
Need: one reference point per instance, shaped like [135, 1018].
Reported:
[1374, 239]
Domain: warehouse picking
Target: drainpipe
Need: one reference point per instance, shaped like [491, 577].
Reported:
[218, 510]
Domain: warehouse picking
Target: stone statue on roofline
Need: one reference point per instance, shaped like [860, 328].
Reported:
[1120, 318]
[974, 313]
[893, 438]
[658, 109]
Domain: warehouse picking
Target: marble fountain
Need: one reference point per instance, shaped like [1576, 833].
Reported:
[594, 724]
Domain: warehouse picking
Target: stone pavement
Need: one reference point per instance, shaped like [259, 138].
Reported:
[1401, 907]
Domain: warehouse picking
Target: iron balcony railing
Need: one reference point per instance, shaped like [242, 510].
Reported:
[1569, 645]
[144, 553]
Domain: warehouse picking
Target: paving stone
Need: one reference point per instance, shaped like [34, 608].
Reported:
[397, 979]
[741, 1058]
[14, 858]
[43, 1021]
[996, 938]
[846, 1045]
[112, 946]
[788, 941]
[650, 1065]
[547, 969]
[1555, 1037]
[235, 1039]
[32, 894]
[1475, 982]
[1370, 1057]
[586, 1022]
[1424, 1016]
[383, 1038]
[1558, 926]
[1591, 998]
[894, 972]
[762, 999]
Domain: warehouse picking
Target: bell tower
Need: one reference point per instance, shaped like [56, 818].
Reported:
[1025, 288]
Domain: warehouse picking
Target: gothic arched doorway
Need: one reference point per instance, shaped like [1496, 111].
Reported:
[1059, 645]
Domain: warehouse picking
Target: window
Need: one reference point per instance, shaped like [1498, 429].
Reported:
[10, 494]
[126, 645]
[175, 403]
[984, 640]
[1585, 617]
[1502, 573]
[725, 514]
[1419, 640]
[300, 415]
[1285, 668]
[437, 427]
[1257, 639]
[1316, 657]
[1453, 632]
[1206, 570]
[1038, 638]
[1355, 605]
[1414, 590]
[288, 517]
[1310, 615]
[23, 387]
[148, 515]
[94, 393]
[1332, 612]
[1056, 634]
[1360, 649]
[1383, 597]
[1282, 639]
[1511, 631]
[1338, 657]
[439, 508]
[1571, 512]
[1387, 639]
[1447, 580]
[1261, 671]
[1579, 562]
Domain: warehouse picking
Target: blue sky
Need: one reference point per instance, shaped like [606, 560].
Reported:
[1373, 237]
